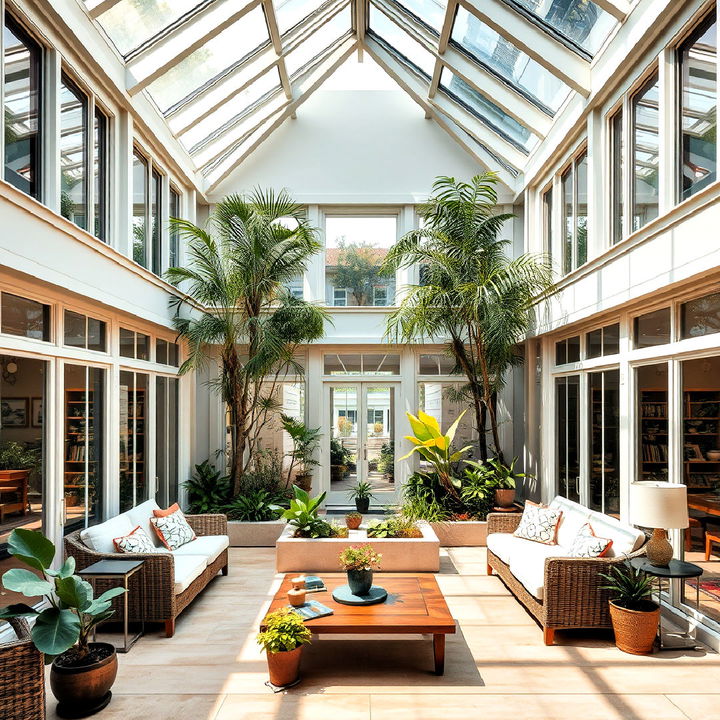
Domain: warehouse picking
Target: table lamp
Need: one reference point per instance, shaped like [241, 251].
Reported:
[661, 506]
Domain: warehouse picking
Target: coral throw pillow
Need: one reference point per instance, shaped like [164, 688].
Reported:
[587, 545]
[137, 541]
[539, 524]
[164, 513]
[173, 530]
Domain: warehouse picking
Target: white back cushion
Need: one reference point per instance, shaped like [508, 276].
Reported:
[141, 514]
[625, 538]
[574, 516]
[100, 537]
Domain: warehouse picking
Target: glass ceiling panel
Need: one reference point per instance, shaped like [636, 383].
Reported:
[487, 111]
[318, 42]
[431, 12]
[132, 22]
[504, 59]
[401, 42]
[232, 109]
[290, 12]
[223, 51]
[581, 21]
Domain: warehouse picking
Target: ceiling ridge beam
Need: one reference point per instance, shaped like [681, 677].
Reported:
[442, 45]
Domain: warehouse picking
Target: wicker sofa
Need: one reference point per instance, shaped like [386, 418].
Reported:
[561, 592]
[170, 580]
[22, 676]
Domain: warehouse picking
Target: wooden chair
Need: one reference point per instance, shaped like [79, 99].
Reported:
[712, 535]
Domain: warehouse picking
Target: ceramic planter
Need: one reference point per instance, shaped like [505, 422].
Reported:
[84, 690]
[505, 498]
[360, 581]
[362, 505]
[284, 667]
[353, 523]
[635, 630]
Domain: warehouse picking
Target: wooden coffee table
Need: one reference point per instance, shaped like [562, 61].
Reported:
[415, 605]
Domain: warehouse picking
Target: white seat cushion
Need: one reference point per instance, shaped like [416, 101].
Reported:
[502, 544]
[625, 538]
[100, 537]
[209, 546]
[574, 516]
[187, 568]
[527, 564]
[141, 514]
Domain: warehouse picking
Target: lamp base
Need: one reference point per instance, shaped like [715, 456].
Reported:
[659, 550]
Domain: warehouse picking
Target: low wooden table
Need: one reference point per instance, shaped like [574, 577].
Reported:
[415, 605]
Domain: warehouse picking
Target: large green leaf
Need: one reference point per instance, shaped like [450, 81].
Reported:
[66, 570]
[26, 582]
[32, 548]
[419, 428]
[102, 604]
[74, 592]
[17, 610]
[431, 423]
[453, 428]
[55, 631]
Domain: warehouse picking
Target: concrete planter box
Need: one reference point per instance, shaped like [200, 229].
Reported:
[471, 533]
[321, 554]
[254, 534]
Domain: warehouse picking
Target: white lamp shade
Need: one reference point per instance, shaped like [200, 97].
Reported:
[655, 504]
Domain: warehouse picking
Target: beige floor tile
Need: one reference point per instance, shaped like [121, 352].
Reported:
[288, 706]
[155, 707]
[697, 706]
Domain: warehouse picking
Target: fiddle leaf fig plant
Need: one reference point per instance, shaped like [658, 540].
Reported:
[71, 612]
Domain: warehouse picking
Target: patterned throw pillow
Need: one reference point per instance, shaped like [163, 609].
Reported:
[173, 530]
[539, 524]
[587, 545]
[165, 513]
[136, 542]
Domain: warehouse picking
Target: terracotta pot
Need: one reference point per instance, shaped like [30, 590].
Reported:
[360, 581]
[635, 630]
[284, 667]
[85, 690]
[304, 481]
[362, 505]
[505, 498]
[353, 523]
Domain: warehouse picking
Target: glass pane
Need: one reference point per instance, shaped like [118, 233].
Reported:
[290, 12]
[487, 111]
[605, 441]
[343, 364]
[139, 217]
[573, 349]
[174, 234]
[381, 364]
[380, 437]
[344, 437]
[566, 185]
[700, 316]
[129, 24]
[617, 149]
[96, 335]
[166, 446]
[652, 397]
[401, 42]
[355, 247]
[73, 153]
[127, 343]
[431, 12]
[100, 173]
[75, 329]
[646, 148]
[653, 328]
[561, 352]
[436, 365]
[22, 109]
[173, 354]
[581, 21]
[594, 343]
[567, 396]
[698, 72]
[548, 221]
[24, 317]
[581, 209]
[611, 339]
[142, 346]
[155, 212]
[22, 396]
[223, 51]
[318, 42]
[502, 58]
[161, 351]
[133, 439]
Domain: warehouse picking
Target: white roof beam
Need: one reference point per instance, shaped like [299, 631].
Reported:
[360, 23]
[97, 7]
[442, 45]
[619, 9]
[555, 57]
[271, 19]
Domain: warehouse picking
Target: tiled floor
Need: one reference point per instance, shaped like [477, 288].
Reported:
[497, 666]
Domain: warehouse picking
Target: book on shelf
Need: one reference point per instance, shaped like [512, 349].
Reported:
[312, 609]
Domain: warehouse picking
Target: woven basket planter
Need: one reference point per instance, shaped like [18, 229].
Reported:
[22, 677]
[635, 630]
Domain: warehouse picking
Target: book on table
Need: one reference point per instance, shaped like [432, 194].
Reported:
[312, 609]
[313, 583]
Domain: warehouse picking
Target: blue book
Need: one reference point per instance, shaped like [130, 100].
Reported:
[313, 583]
[311, 610]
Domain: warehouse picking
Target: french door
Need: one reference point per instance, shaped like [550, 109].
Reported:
[361, 442]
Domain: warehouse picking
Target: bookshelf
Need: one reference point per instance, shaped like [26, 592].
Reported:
[654, 432]
[132, 447]
[79, 445]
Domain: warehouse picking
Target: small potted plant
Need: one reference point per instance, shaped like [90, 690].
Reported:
[282, 636]
[353, 520]
[358, 562]
[633, 614]
[361, 494]
[504, 479]
[339, 459]
[82, 672]
[305, 441]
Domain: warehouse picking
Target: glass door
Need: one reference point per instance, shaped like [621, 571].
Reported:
[362, 441]
[567, 402]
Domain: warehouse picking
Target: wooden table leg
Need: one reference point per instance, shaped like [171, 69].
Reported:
[439, 652]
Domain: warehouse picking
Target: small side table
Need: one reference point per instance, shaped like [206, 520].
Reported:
[118, 570]
[677, 569]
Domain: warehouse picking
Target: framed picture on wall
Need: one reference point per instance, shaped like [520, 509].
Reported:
[14, 412]
[36, 412]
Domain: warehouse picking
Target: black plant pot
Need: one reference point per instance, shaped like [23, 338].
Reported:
[362, 505]
[360, 581]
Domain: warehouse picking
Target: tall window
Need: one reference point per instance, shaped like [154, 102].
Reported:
[547, 206]
[697, 59]
[567, 431]
[173, 250]
[22, 108]
[652, 413]
[574, 184]
[139, 209]
[604, 388]
[618, 198]
[645, 153]
[100, 174]
[147, 204]
[133, 439]
[166, 440]
[73, 153]
[155, 214]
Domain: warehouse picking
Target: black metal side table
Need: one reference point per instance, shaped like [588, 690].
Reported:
[118, 570]
[676, 569]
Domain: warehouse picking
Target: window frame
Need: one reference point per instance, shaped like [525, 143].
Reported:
[154, 255]
[571, 168]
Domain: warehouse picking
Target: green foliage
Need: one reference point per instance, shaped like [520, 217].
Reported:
[360, 491]
[353, 516]
[504, 477]
[71, 612]
[359, 557]
[478, 489]
[631, 588]
[339, 454]
[208, 490]
[254, 506]
[424, 507]
[284, 631]
[305, 442]
[395, 526]
[303, 515]
[15, 456]
[357, 269]
[386, 459]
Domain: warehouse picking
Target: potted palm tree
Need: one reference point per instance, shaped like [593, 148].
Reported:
[282, 636]
[305, 441]
[361, 493]
[633, 614]
[82, 672]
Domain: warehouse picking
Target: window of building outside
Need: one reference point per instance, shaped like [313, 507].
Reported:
[24, 317]
[617, 150]
[174, 247]
[645, 152]
[547, 209]
[574, 185]
[73, 152]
